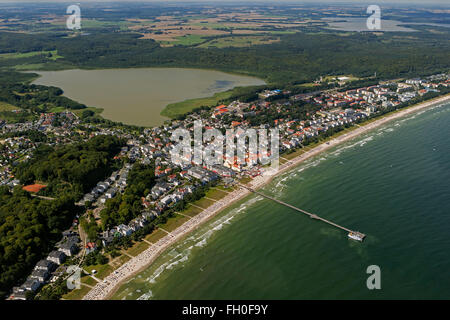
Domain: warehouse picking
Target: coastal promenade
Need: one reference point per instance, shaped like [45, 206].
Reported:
[107, 287]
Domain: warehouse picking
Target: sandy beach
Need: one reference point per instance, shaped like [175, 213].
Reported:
[106, 288]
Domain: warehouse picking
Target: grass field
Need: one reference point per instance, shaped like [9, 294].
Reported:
[102, 270]
[244, 41]
[57, 109]
[137, 248]
[174, 222]
[155, 236]
[7, 107]
[77, 294]
[79, 112]
[19, 55]
[26, 67]
[204, 203]
[175, 109]
[88, 280]
[216, 194]
[191, 211]
[188, 40]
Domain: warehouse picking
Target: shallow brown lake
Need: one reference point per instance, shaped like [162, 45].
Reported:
[137, 96]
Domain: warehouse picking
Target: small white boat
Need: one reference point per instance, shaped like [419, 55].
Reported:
[356, 236]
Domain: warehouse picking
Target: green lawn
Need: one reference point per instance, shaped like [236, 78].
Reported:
[174, 109]
[216, 194]
[137, 248]
[155, 236]
[88, 280]
[102, 270]
[204, 203]
[228, 189]
[191, 211]
[174, 222]
[77, 294]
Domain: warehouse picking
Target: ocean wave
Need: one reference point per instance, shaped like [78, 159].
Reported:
[146, 296]
[182, 252]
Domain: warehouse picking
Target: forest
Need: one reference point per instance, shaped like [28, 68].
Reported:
[36, 98]
[298, 57]
[124, 207]
[29, 227]
[72, 169]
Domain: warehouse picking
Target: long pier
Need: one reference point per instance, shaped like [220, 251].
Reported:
[311, 215]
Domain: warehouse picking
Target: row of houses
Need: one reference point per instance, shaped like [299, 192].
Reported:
[109, 188]
[107, 236]
[44, 268]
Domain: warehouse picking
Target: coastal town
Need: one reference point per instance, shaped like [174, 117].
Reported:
[175, 186]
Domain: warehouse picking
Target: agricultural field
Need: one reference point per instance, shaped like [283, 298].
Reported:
[244, 41]
[172, 30]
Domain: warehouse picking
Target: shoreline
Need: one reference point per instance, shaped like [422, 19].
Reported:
[100, 110]
[111, 283]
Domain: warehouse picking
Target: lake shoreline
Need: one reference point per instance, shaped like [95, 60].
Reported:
[145, 92]
[111, 283]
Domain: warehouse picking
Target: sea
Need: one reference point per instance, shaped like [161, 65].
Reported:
[392, 184]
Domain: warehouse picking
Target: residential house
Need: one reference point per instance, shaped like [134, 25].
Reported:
[41, 275]
[57, 257]
[46, 265]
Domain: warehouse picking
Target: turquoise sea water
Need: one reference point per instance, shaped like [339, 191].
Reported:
[393, 184]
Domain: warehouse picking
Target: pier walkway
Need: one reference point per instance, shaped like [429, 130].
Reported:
[311, 215]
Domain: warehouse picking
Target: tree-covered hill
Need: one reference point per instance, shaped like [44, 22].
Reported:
[29, 227]
[74, 168]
